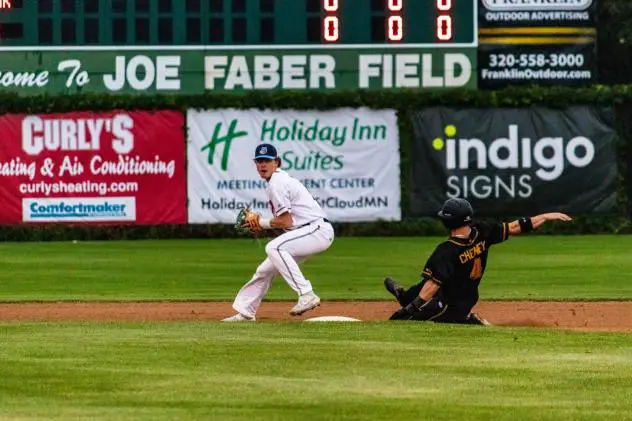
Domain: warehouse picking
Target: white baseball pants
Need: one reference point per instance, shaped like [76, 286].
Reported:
[285, 253]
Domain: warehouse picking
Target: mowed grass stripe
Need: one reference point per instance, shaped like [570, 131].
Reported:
[536, 267]
[356, 371]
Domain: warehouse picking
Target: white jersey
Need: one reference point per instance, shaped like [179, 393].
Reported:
[288, 194]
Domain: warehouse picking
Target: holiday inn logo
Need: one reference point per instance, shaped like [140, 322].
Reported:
[315, 130]
[226, 140]
[294, 130]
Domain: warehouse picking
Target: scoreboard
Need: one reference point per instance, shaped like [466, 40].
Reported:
[279, 23]
[193, 46]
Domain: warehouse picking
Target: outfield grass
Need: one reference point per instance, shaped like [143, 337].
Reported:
[570, 267]
[310, 371]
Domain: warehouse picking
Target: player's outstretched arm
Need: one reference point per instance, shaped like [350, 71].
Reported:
[417, 308]
[527, 224]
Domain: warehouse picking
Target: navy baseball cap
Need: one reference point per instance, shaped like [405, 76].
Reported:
[265, 151]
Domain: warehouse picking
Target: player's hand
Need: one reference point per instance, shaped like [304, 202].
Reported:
[557, 216]
[247, 222]
[401, 314]
[251, 221]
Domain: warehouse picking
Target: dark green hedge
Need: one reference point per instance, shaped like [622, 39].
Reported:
[556, 97]
[404, 101]
[405, 228]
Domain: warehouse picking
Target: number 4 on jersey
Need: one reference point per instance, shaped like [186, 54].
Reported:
[477, 269]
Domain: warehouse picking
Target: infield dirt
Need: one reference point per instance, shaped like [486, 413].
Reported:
[588, 316]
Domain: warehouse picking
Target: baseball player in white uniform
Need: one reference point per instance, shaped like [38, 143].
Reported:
[307, 232]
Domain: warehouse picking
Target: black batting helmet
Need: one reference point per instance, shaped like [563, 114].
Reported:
[456, 213]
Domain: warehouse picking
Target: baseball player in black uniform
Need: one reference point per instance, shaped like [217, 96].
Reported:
[449, 283]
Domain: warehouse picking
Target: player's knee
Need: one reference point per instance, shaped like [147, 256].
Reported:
[262, 271]
[271, 248]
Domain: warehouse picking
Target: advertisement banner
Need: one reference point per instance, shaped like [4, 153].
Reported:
[630, 178]
[86, 167]
[624, 119]
[514, 162]
[534, 42]
[348, 159]
[195, 71]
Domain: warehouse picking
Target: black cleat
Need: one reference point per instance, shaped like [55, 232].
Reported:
[393, 287]
[475, 319]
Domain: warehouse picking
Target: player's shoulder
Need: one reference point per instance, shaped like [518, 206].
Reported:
[481, 225]
[488, 224]
[489, 228]
[283, 183]
[279, 177]
[444, 249]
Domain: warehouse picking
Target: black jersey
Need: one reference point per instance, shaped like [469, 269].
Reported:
[458, 264]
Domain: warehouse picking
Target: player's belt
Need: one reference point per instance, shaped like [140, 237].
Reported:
[311, 222]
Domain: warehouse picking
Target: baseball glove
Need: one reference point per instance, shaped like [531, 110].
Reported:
[247, 222]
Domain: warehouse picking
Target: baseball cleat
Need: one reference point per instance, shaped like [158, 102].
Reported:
[393, 287]
[475, 319]
[305, 303]
[239, 318]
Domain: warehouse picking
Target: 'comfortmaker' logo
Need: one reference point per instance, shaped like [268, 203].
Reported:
[105, 209]
[545, 158]
[539, 5]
